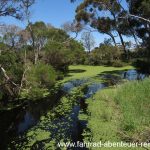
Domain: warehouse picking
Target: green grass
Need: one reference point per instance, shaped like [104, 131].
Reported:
[134, 102]
[84, 71]
[121, 113]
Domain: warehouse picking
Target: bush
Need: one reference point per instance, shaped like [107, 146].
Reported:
[143, 65]
[117, 63]
[56, 56]
[39, 78]
[104, 55]
[13, 66]
[11, 62]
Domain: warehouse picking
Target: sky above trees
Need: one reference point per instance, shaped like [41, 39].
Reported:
[55, 12]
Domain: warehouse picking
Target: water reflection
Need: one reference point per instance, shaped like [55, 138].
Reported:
[27, 122]
[133, 75]
[67, 87]
[93, 88]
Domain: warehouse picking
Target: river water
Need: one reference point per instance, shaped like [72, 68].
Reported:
[17, 122]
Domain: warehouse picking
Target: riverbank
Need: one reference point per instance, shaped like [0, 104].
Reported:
[120, 114]
[75, 72]
[45, 125]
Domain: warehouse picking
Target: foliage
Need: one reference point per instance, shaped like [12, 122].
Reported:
[143, 65]
[38, 35]
[105, 54]
[39, 78]
[92, 13]
[21, 50]
[12, 63]
[61, 55]
[11, 8]
[56, 55]
[77, 55]
[118, 63]
[141, 8]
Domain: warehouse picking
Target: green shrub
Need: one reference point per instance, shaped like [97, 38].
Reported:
[117, 63]
[39, 78]
[56, 56]
[11, 62]
[143, 65]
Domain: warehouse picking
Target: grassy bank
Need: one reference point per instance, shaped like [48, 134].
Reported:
[85, 71]
[120, 114]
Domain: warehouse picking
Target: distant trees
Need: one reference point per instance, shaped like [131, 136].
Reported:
[88, 40]
[107, 53]
[11, 35]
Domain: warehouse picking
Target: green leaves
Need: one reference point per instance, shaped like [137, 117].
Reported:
[39, 78]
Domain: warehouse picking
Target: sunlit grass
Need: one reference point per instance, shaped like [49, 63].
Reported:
[134, 102]
[121, 113]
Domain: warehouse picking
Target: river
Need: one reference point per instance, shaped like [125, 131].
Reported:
[16, 125]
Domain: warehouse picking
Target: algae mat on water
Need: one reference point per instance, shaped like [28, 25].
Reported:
[85, 71]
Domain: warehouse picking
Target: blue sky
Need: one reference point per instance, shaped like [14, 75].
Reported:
[55, 12]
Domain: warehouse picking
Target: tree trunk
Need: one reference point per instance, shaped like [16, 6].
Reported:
[123, 44]
[135, 38]
[113, 38]
[136, 41]
[35, 57]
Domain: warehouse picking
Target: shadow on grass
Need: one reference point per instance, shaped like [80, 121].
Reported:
[76, 71]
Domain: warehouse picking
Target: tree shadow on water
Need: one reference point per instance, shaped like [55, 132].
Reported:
[112, 77]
